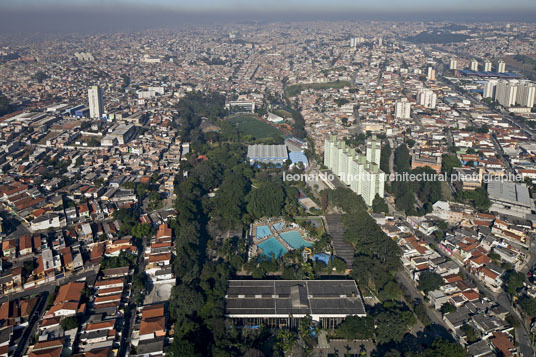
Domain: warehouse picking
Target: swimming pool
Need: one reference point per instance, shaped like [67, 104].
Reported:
[263, 231]
[278, 226]
[270, 246]
[295, 240]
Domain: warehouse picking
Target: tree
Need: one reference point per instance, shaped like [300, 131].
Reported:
[390, 291]
[385, 158]
[441, 348]
[286, 340]
[339, 265]
[40, 76]
[141, 230]
[29, 266]
[402, 159]
[392, 324]
[470, 333]
[449, 161]
[514, 282]
[5, 106]
[69, 323]
[379, 205]
[528, 305]
[185, 302]
[447, 308]
[354, 327]
[429, 281]
[267, 200]
[478, 198]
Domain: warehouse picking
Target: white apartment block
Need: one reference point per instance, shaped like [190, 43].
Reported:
[360, 172]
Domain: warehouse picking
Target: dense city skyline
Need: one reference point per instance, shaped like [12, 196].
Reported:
[268, 179]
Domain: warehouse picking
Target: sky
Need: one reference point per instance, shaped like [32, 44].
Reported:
[281, 5]
[126, 15]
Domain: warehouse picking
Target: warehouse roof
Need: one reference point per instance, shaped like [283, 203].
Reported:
[284, 297]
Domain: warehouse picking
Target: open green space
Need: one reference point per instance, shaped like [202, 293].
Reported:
[250, 125]
[296, 89]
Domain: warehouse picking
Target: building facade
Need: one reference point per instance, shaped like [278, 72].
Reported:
[361, 173]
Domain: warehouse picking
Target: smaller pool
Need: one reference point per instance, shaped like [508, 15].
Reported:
[278, 226]
[272, 246]
[295, 240]
[263, 231]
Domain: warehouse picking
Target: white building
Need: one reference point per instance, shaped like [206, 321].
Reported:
[431, 74]
[489, 88]
[360, 172]
[506, 93]
[453, 64]
[474, 65]
[427, 98]
[526, 92]
[487, 66]
[96, 104]
[403, 109]
[501, 66]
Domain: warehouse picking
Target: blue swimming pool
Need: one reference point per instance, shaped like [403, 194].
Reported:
[272, 246]
[295, 240]
[278, 226]
[263, 231]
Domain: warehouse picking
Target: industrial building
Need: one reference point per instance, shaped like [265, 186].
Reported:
[267, 154]
[283, 303]
[510, 198]
[122, 134]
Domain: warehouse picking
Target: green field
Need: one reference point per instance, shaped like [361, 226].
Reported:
[296, 89]
[250, 125]
[282, 113]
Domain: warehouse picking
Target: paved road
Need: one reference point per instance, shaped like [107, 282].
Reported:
[499, 151]
[49, 287]
[403, 278]
[130, 317]
[32, 325]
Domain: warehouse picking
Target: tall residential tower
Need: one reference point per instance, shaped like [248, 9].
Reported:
[96, 105]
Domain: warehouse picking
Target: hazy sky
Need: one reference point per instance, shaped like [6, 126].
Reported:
[127, 15]
[275, 5]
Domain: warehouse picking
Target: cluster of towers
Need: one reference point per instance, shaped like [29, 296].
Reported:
[360, 172]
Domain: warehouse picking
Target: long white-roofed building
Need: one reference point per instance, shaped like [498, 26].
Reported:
[267, 154]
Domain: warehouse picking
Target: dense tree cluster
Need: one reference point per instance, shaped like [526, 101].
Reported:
[430, 281]
[219, 195]
[5, 106]
[478, 198]
[385, 157]
[373, 248]
[428, 191]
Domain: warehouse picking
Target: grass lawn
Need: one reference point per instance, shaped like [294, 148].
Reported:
[283, 113]
[296, 89]
[250, 125]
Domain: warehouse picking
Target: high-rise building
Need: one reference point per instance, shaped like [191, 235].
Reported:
[489, 88]
[96, 104]
[487, 66]
[453, 64]
[360, 172]
[403, 109]
[431, 74]
[474, 65]
[427, 98]
[501, 66]
[506, 93]
[526, 92]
